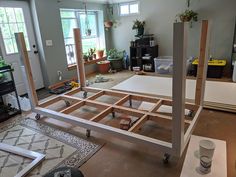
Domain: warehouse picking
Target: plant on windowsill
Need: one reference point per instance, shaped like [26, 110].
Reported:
[91, 53]
[85, 57]
[139, 27]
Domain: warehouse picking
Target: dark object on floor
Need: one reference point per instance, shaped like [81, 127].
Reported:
[125, 123]
[61, 89]
[65, 172]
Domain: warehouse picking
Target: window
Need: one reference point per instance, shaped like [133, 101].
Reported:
[129, 8]
[12, 21]
[75, 18]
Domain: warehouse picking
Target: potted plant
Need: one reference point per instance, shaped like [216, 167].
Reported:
[109, 22]
[91, 53]
[100, 53]
[139, 27]
[85, 57]
[116, 59]
[188, 16]
[103, 66]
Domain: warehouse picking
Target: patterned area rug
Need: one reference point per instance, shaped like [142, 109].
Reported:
[61, 148]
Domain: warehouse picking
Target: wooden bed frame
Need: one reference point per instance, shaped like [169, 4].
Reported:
[180, 136]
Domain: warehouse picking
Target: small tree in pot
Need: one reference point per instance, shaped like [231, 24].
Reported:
[139, 27]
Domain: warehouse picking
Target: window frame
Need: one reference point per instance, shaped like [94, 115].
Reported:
[12, 38]
[79, 12]
[129, 4]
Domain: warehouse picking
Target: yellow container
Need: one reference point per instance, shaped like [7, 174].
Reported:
[213, 62]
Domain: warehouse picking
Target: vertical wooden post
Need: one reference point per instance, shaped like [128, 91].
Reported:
[179, 86]
[79, 57]
[202, 65]
[26, 69]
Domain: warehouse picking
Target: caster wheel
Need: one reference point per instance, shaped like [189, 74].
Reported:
[113, 114]
[130, 103]
[37, 117]
[85, 95]
[191, 114]
[67, 103]
[88, 133]
[166, 158]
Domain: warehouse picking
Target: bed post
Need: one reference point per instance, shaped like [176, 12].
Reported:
[202, 65]
[179, 86]
[26, 69]
[79, 58]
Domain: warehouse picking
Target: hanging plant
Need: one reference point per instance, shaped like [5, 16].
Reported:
[88, 30]
[110, 22]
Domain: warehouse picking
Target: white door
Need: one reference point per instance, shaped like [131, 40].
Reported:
[15, 17]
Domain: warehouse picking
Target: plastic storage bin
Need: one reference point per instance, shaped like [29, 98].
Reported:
[164, 65]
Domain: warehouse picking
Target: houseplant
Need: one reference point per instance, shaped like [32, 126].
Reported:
[110, 21]
[100, 53]
[139, 27]
[85, 57]
[91, 53]
[188, 16]
[103, 66]
[116, 59]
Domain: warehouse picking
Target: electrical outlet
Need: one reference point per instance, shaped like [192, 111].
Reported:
[59, 73]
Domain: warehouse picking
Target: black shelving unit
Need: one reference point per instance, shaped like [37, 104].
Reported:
[233, 58]
[137, 54]
[7, 85]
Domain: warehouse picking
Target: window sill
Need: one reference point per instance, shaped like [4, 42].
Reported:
[73, 66]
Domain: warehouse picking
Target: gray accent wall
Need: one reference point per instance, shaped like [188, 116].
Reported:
[160, 16]
[47, 23]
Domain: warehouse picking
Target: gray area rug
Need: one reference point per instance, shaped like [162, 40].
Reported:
[61, 148]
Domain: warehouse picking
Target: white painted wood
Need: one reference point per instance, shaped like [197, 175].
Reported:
[35, 156]
[178, 88]
[215, 92]
[191, 162]
[128, 136]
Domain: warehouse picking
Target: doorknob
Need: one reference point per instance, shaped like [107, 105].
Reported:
[35, 52]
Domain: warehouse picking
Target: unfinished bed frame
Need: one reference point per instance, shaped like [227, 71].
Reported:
[179, 136]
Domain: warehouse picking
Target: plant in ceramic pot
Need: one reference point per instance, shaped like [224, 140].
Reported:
[85, 57]
[91, 53]
[100, 53]
[188, 16]
[116, 59]
[139, 27]
[110, 21]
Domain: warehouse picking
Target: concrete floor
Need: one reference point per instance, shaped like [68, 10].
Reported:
[121, 158]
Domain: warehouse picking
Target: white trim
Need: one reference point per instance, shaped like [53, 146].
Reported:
[37, 157]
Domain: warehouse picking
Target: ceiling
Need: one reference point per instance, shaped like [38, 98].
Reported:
[106, 1]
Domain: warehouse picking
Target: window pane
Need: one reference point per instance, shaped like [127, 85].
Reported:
[9, 46]
[69, 41]
[134, 8]
[92, 24]
[89, 43]
[13, 29]
[67, 26]
[3, 17]
[21, 28]
[19, 15]
[5, 31]
[67, 14]
[124, 9]
[10, 15]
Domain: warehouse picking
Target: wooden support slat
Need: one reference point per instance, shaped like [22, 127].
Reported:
[202, 65]
[123, 100]
[90, 89]
[79, 57]
[97, 95]
[74, 91]
[138, 124]
[114, 93]
[70, 98]
[157, 106]
[97, 105]
[144, 98]
[50, 102]
[128, 111]
[26, 69]
[101, 115]
[73, 107]
[189, 106]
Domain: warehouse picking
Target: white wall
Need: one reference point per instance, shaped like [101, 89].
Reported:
[160, 16]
